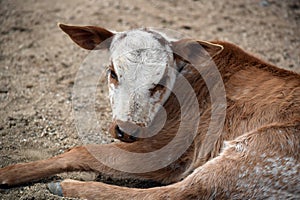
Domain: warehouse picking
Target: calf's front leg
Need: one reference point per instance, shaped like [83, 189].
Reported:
[85, 158]
[77, 159]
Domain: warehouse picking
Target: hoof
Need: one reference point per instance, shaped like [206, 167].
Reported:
[55, 188]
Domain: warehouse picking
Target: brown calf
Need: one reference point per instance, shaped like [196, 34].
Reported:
[256, 154]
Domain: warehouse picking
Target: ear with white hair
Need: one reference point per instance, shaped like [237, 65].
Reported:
[195, 51]
[88, 37]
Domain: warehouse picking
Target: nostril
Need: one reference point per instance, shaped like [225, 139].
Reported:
[119, 132]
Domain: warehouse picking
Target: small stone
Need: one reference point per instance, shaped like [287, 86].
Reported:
[29, 86]
[186, 27]
[264, 3]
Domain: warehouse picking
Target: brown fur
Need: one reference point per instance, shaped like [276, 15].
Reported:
[262, 130]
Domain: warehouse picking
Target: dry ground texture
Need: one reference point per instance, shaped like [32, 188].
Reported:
[38, 63]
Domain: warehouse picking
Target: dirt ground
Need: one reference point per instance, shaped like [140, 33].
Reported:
[38, 63]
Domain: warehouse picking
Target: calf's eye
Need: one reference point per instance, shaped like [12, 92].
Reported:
[112, 74]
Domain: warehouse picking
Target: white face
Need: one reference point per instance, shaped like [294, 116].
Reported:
[140, 60]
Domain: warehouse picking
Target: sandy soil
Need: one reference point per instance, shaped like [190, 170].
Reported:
[38, 63]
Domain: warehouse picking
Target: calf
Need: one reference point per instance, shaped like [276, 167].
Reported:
[206, 119]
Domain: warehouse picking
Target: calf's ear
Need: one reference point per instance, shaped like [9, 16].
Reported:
[195, 51]
[88, 37]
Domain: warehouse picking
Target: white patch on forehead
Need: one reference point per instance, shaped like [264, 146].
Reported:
[140, 55]
[141, 59]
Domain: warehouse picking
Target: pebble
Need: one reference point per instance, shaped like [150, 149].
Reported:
[264, 3]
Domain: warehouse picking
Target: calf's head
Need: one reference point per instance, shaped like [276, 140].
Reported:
[142, 72]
